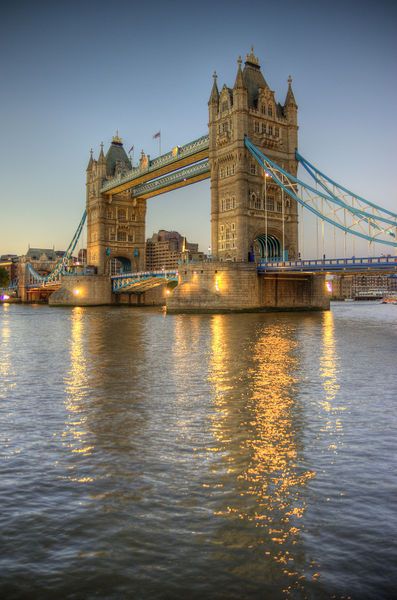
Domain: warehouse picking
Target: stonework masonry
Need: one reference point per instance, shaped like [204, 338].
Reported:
[250, 217]
[115, 224]
[83, 290]
[232, 287]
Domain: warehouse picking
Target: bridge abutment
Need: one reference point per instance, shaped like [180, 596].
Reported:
[83, 290]
[236, 287]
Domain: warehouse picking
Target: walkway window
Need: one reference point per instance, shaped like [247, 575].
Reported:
[270, 204]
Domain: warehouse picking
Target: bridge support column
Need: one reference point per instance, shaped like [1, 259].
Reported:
[218, 287]
[80, 290]
[293, 291]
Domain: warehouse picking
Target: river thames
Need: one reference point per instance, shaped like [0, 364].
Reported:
[146, 455]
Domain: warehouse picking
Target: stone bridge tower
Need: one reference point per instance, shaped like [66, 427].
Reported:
[250, 217]
[115, 224]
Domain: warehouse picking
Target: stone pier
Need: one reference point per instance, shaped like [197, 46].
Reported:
[236, 287]
[83, 290]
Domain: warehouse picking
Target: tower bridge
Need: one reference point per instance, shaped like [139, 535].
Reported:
[250, 155]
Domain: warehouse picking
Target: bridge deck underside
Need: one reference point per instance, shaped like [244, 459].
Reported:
[140, 286]
[159, 172]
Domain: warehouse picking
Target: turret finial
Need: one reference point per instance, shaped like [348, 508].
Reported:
[116, 138]
[215, 76]
[289, 80]
[239, 61]
[251, 58]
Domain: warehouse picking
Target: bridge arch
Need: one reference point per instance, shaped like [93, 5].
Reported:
[267, 246]
[119, 264]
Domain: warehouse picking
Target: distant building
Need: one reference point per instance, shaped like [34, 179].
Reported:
[166, 248]
[9, 262]
[43, 260]
[363, 286]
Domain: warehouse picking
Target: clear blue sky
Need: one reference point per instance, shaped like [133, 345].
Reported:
[74, 72]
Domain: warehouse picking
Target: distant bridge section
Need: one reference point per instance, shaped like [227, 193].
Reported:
[331, 265]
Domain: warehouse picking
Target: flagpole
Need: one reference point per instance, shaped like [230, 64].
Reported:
[160, 142]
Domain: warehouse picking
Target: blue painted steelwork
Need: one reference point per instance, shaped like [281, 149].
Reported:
[142, 280]
[183, 174]
[289, 184]
[316, 174]
[173, 156]
[330, 265]
[61, 265]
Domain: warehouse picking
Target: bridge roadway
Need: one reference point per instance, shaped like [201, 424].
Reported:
[183, 164]
[144, 280]
[331, 265]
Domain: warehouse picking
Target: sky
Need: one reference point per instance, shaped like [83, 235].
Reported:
[72, 73]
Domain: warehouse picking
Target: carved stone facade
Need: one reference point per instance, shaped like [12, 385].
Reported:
[115, 224]
[250, 217]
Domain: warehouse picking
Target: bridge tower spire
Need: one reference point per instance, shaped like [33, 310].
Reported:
[250, 218]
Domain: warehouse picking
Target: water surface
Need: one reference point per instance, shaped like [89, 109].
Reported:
[159, 456]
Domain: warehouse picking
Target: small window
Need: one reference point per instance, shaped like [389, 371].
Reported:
[270, 111]
[256, 127]
[121, 214]
[270, 204]
[225, 106]
[253, 169]
[121, 236]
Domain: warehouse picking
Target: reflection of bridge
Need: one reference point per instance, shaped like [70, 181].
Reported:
[250, 154]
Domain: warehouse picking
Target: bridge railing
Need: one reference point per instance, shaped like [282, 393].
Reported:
[165, 159]
[144, 274]
[331, 263]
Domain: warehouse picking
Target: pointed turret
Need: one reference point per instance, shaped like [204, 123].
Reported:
[214, 98]
[240, 92]
[91, 161]
[101, 158]
[239, 83]
[290, 98]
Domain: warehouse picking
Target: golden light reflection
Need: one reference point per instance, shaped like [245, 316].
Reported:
[6, 370]
[75, 435]
[270, 478]
[329, 369]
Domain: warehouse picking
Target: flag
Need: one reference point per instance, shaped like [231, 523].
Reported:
[156, 135]
[131, 149]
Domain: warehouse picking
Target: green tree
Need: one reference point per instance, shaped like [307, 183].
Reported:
[4, 279]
